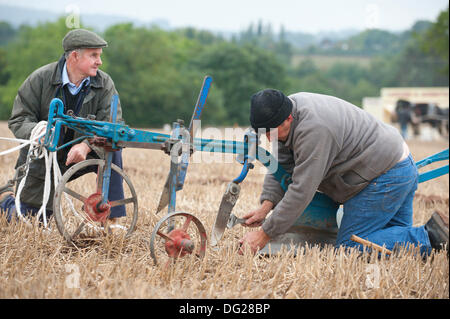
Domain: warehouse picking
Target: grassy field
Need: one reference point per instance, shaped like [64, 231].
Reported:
[324, 62]
[35, 264]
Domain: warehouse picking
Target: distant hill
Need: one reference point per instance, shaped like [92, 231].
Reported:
[369, 42]
[17, 16]
[341, 42]
[302, 40]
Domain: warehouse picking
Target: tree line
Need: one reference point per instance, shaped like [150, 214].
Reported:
[158, 73]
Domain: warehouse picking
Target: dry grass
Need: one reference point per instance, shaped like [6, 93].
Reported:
[34, 264]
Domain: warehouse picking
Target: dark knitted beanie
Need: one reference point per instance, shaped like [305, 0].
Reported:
[268, 109]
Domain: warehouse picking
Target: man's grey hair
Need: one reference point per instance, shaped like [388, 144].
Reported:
[67, 54]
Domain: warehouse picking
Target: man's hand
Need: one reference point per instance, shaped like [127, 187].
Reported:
[254, 241]
[77, 153]
[256, 217]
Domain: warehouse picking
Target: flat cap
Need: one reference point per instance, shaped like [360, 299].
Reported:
[81, 38]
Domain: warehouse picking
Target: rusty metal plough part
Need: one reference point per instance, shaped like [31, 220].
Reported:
[176, 235]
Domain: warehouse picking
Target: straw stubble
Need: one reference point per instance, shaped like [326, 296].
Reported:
[34, 264]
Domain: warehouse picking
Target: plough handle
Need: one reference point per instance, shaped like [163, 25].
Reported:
[426, 176]
[441, 156]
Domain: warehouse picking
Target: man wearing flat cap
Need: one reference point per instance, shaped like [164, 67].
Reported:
[84, 90]
[332, 146]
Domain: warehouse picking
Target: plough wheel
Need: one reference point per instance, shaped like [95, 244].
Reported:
[176, 235]
[77, 214]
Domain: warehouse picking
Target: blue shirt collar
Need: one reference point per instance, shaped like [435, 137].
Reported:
[72, 87]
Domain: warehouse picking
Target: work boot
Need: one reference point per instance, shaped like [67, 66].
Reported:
[437, 228]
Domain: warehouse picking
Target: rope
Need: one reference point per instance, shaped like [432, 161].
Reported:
[22, 145]
[50, 161]
[38, 153]
[37, 133]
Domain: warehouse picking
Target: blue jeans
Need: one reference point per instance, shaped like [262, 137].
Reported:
[383, 211]
[115, 193]
[9, 207]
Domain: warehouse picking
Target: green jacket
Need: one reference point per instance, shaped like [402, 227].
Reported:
[31, 106]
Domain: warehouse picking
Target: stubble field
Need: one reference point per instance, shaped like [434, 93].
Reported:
[35, 264]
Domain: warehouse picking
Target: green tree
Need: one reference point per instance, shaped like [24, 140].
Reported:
[239, 72]
[150, 68]
[31, 48]
[436, 40]
[374, 41]
[7, 33]
[350, 72]
[416, 66]
[4, 75]
[305, 68]
[202, 36]
[347, 81]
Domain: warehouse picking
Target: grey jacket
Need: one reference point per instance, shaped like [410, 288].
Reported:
[333, 147]
[31, 106]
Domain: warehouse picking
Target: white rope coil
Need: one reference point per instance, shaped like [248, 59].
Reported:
[50, 160]
[37, 133]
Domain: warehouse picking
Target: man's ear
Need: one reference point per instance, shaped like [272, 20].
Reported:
[72, 55]
[76, 54]
[290, 118]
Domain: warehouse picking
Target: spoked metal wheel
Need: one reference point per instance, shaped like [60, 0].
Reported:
[177, 235]
[75, 204]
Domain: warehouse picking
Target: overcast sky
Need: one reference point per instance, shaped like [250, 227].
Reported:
[236, 15]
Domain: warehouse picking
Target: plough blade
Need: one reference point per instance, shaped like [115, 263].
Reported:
[229, 199]
[164, 199]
